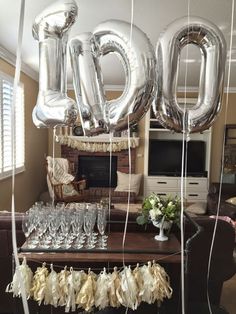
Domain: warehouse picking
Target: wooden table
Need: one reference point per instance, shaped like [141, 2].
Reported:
[139, 247]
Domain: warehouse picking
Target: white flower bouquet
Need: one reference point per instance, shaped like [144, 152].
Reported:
[156, 208]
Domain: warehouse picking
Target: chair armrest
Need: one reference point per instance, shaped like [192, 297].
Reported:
[79, 185]
[57, 189]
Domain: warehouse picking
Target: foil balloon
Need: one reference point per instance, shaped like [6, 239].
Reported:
[51, 29]
[88, 83]
[209, 39]
[138, 59]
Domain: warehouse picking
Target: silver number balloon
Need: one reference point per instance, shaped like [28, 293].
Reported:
[51, 30]
[212, 45]
[138, 59]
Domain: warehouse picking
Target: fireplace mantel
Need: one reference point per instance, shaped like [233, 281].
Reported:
[100, 143]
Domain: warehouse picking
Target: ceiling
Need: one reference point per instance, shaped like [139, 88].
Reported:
[152, 16]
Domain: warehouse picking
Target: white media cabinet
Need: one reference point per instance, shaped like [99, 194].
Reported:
[195, 189]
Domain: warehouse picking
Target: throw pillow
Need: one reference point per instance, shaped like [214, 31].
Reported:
[231, 200]
[123, 182]
[197, 208]
[69, 190]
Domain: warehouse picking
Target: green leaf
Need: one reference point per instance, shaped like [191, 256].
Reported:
[141, 220]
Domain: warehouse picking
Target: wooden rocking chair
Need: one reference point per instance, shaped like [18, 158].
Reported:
[61, 184]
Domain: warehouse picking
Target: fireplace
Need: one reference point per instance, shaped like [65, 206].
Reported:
[121, 157]
[96, 170]
[95, 194]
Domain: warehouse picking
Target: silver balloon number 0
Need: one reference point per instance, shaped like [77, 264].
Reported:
[211, 43]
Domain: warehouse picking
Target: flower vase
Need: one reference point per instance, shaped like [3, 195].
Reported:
[162, 225]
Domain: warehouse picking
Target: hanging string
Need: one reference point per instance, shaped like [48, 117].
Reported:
[222, 156]
[110, 170]
[129, 160]
[182, 220]
[131, 23]
[109, 195]
[183, 173]
[187, 55]
[119, 268]
[15, 88]
[129, 148]
[53, 160]
[128, 200]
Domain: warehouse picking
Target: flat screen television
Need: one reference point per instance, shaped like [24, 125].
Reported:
[165, 158]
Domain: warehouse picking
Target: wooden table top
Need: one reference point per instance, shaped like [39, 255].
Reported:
[139, 247]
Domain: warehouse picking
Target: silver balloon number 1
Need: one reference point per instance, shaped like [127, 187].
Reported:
[148, 78]
[209, 39]
[51, 30]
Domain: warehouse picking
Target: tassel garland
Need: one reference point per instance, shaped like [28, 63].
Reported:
[77, 289]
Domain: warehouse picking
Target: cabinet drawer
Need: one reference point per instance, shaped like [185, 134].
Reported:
[199, 184]
[195, 196]
[160, 192]
[161, 183]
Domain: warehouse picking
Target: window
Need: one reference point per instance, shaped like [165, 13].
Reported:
[6, 127]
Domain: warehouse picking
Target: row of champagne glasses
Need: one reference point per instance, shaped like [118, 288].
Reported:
[65, 226]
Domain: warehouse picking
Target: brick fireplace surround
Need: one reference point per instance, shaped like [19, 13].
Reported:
[95, 194]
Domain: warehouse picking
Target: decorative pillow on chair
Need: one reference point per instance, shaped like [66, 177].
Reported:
[123, 182]
[197, 208]
[231, 200]
[69, 190]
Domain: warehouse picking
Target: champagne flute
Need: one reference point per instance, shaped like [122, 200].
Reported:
[101, 224]
[88, 229]
[77, 225]
[26, 227]
[65, 228]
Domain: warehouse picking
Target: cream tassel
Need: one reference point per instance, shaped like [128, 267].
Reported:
[139, 281]
[39, 284]
[114, 289]
[26, 275]
[70, 301]
[162, 285]
[52, 293]
[63, 286]
[148, 284]
[129, 289]
[79, 279]
[85, 298]
[101, 295]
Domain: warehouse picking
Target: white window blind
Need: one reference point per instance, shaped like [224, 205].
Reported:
[6, 127]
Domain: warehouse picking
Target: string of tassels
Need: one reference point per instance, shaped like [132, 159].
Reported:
[79, 289]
